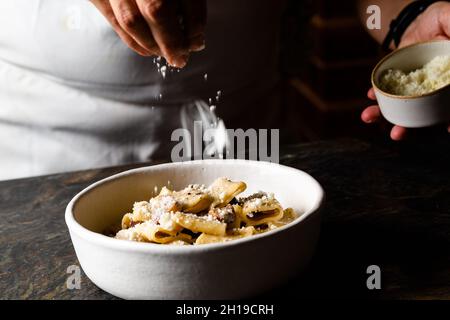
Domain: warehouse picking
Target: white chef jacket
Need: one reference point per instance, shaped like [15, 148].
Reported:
[73, 96]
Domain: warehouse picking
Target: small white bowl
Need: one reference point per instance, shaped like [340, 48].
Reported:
[230, 270]
[413, 111]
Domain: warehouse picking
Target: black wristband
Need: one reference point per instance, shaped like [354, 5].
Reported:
[399, 25]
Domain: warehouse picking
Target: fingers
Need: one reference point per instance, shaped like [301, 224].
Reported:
[194, 12]
[133, 23]
[407, 40]
[371, 114]
[398, 133]
[444, 19]
[105, 8]
[448, 128]
[153, 27]
[371, 94]
[162, 17]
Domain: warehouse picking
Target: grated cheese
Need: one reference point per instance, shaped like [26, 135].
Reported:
[433, 76]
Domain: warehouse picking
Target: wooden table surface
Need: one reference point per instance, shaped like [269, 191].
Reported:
[388, 204]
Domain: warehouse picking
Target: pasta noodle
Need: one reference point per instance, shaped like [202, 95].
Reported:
[199, 215]
[260, 208]
[200, 224]
[235, 234]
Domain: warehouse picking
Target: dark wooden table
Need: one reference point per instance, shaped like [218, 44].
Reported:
[388, 204]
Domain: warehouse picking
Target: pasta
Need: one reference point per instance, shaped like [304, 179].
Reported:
[199, 215]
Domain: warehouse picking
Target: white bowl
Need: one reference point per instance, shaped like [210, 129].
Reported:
[413, 111]
[235, 269]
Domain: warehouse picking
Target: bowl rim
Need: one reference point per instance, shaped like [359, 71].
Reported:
[395, 52]
[118, 244]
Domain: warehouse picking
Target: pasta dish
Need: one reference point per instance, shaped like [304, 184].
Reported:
[199, 215]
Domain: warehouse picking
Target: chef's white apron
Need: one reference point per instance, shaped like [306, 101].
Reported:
[73, 96]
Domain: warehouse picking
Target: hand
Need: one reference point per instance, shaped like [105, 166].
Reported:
[168, 28]
[432, 24]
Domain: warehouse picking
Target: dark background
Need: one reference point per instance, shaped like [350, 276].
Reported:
[326, 61]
